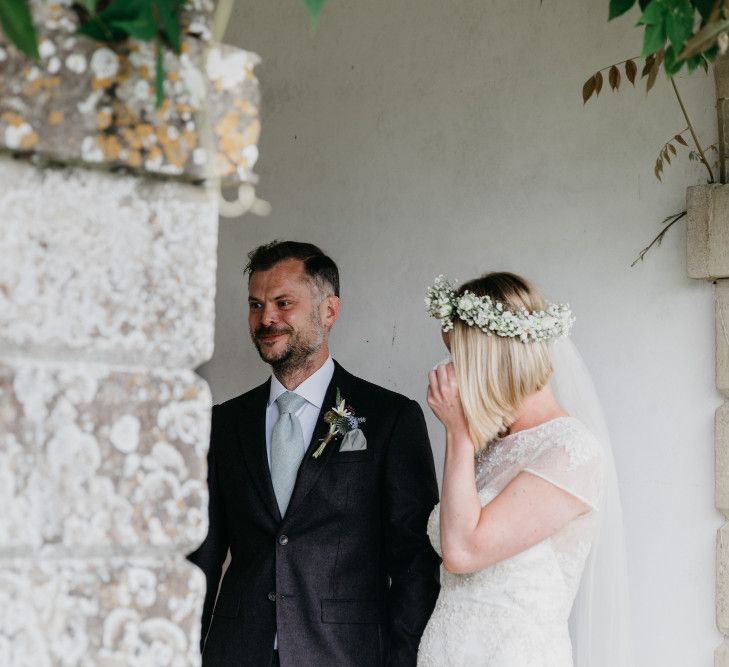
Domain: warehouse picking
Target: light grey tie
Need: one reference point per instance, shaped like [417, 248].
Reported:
[287, 448]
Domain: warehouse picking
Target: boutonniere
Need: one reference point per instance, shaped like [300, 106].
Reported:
[341, 420]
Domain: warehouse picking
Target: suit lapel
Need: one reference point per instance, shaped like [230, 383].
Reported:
[252, 437]
[311, 467]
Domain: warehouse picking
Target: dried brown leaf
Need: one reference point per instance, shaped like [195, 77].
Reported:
[655, 68]
[648, 65]
[666, 156]
[598, 82]
[680, 140]
[657, 172]
[672, 148]
[631, 69]
[614, 78]
[588, 89]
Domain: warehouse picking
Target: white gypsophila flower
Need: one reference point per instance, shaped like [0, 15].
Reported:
[104, 63]
[493, 318]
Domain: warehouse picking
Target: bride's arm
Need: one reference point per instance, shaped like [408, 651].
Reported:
[528, 510]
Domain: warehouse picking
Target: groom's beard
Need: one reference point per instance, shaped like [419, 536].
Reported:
[299, 349]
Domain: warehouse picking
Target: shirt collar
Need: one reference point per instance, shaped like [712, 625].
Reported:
[313, 389]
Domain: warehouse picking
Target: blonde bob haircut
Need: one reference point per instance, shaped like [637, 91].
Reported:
[496, 374]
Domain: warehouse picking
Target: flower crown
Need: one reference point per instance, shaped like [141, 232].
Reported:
[492, 318]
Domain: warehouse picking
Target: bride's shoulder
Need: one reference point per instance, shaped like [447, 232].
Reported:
[565, 434]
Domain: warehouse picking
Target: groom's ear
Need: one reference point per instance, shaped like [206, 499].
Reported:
[329, 310]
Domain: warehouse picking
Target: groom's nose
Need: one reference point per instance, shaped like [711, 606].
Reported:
[268, 314]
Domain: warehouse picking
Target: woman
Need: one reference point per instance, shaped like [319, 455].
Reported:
[517, 521]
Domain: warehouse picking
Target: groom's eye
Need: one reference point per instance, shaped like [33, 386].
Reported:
[253, 305]
[284, 304]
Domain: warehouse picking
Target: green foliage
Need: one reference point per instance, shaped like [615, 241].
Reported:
[678, 32]
[17, 24]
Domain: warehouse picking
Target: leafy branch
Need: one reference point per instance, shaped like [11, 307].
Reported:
[674, 218]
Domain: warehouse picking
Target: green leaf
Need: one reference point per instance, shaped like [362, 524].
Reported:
[671, 63]
[619, 7]
[90, 5]
[654, 38]
[17, 25]
[159, 75]
[704, 39]
[680, 23]
[655, 13]
[704, 7]
[314, 7]
[122, 19]
[168, 13]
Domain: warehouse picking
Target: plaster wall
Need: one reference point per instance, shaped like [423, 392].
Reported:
[419, 137]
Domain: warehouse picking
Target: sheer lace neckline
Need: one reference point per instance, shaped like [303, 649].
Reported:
[537, 427]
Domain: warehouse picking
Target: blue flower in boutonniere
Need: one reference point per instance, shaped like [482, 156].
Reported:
[341, 420]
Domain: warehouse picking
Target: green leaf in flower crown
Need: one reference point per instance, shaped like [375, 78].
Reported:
[314, 7]
[619, 7]
[17, 25]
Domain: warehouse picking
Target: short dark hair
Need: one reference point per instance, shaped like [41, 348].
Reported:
[317, 265]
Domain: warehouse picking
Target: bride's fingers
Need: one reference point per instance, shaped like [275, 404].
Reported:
[433, 387]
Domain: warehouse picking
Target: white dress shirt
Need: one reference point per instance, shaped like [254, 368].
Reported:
[313, 389]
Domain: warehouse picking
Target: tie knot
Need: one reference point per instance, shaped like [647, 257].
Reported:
[289, 402]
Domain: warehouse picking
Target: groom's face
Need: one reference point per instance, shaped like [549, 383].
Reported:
[289, 319]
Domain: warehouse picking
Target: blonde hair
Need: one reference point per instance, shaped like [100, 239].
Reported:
[496, 374]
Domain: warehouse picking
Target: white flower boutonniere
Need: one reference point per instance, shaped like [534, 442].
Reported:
[341, 420]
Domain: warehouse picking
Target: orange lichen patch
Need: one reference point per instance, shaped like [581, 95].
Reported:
[184, 48]
[40, 84]
[145, 133]
[28, 140]
[154, 153]
[190, 138]
[144, 72]
[125, 69]
[13, 119]
[244, 106]
[109, 146]
[122, 115]
[55, 118]
[173, 75]
[101, 84]
[183, 108]
[134, 158]
[228, 122]
[103, 119]
[162, 113]
[176, 153]
[131, 138]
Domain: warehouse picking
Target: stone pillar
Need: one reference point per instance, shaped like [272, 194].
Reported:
[107, 284]
[708, 259]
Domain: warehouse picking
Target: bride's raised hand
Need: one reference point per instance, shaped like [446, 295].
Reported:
[444, 399]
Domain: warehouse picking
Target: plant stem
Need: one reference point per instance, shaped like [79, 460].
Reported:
[620, 63]
[676, 217]
[693, 133]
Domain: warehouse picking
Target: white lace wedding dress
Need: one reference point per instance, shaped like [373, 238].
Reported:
[515, 613]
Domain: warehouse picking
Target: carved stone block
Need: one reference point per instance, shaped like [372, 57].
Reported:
[94, 458]
[708, 233]
[105, 267]
[83, 613]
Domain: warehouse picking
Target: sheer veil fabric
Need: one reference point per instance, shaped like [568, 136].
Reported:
[600, 621]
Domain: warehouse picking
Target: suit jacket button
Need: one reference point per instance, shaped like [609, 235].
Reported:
[272, 596]
[283, 540]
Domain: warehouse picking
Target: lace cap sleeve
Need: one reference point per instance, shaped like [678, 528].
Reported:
[570, 457]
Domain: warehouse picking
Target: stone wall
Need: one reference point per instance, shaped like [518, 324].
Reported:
[107, 286]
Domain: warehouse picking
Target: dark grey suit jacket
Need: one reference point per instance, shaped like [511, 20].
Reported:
[347, 577]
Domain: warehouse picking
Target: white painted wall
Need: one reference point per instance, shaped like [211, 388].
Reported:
[417, 137]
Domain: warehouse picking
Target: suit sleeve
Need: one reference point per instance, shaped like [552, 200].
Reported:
[411, 491]
[210, 555]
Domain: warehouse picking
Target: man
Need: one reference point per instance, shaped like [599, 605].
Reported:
[322, 501]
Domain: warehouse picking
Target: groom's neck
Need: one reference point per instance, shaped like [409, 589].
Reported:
[292, 377]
